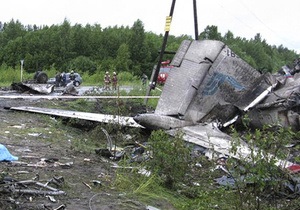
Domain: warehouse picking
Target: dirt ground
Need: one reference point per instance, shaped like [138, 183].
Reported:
[56, 167]
[46, 159]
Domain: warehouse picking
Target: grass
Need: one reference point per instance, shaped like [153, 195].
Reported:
[150, 190]
[200, 192]
[11, 75]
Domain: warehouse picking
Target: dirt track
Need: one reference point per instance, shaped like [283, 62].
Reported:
[45, 148]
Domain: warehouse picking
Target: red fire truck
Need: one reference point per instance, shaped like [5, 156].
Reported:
[163, 72]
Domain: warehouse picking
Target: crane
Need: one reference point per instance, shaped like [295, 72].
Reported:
[155, 71]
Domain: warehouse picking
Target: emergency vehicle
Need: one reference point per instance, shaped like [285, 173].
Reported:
[163, 72]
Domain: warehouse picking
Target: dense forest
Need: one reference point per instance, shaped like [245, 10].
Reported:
[91, 48]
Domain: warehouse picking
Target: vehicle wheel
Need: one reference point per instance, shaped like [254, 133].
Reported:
[76, 83]
[42, 78]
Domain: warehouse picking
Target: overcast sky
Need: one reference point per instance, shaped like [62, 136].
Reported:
[277, 21]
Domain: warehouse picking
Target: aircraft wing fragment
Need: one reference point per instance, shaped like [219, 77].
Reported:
[114, 119]
[33, 87]
[209, 136]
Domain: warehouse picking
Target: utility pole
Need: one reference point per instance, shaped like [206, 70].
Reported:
[22, 63]
[195, 20]
[155, 72]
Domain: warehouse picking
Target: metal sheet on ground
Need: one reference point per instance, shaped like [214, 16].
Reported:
[114, 119]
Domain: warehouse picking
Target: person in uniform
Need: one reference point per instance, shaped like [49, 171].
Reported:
[57, 79]
[144, 79]
[114, 81]
[106, 81]
[72, 76]
[63, 79]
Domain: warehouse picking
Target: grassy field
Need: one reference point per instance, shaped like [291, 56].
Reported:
[10, 75]
[193, 181]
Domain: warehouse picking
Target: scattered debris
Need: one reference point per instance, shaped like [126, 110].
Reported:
[5, 154]
[96, 182]
[209, 90]
[151, 208]
[87, 185]
[23, 187]
[136, 152]
[205, 92]
[70, 89]
[113, 119]
[294, 168]
[61, 207]
[45, 162]
[33, 88]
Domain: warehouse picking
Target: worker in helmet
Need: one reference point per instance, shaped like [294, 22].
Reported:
[72, 76]
[106, 81]
[114, 81]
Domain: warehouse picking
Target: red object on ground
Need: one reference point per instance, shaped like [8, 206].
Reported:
[294, 168]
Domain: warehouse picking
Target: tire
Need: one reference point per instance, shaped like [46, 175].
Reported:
[41, 78]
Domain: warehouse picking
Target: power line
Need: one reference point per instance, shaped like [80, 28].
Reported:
[250, 27]
[238, 19]
[263, 23]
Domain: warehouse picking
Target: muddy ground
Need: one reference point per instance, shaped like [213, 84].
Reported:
[59, 166]
[49, 153]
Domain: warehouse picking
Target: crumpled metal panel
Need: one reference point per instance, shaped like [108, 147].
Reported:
[183, 48]
[183, 81]
[203, 50]
[228, 79]
[181, 87]
[40, 88]
[208, 80]
[280, 107]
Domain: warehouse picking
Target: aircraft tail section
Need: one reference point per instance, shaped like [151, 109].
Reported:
[192, 62]
[208, 79]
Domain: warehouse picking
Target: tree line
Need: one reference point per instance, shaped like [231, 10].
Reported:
[91, 48]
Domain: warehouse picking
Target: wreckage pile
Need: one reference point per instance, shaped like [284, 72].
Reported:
[207, 93]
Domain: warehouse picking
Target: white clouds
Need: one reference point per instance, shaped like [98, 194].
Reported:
[276, 21]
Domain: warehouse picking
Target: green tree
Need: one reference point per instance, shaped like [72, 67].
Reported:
[83, 64]
[12, 30]
[59, 46]
[64, 45]
[138, 48]
[211, 32]
[123, 58]
[81, 40]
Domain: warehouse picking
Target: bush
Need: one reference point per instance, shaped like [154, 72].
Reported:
[171, 158]
[258, 176]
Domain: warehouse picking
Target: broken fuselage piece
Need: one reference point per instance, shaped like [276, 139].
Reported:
[210, 83]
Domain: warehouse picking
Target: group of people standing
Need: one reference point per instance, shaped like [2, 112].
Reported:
[108, 80]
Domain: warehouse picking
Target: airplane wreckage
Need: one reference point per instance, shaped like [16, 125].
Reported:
[40, 85]
[210, 88]
[37, 85]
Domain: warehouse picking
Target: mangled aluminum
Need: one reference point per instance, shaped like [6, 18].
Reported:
[210, 87]
[97, 117]
[37, 85]
[70, 89]
[33, 87]
[281, 106]
[209, 83]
